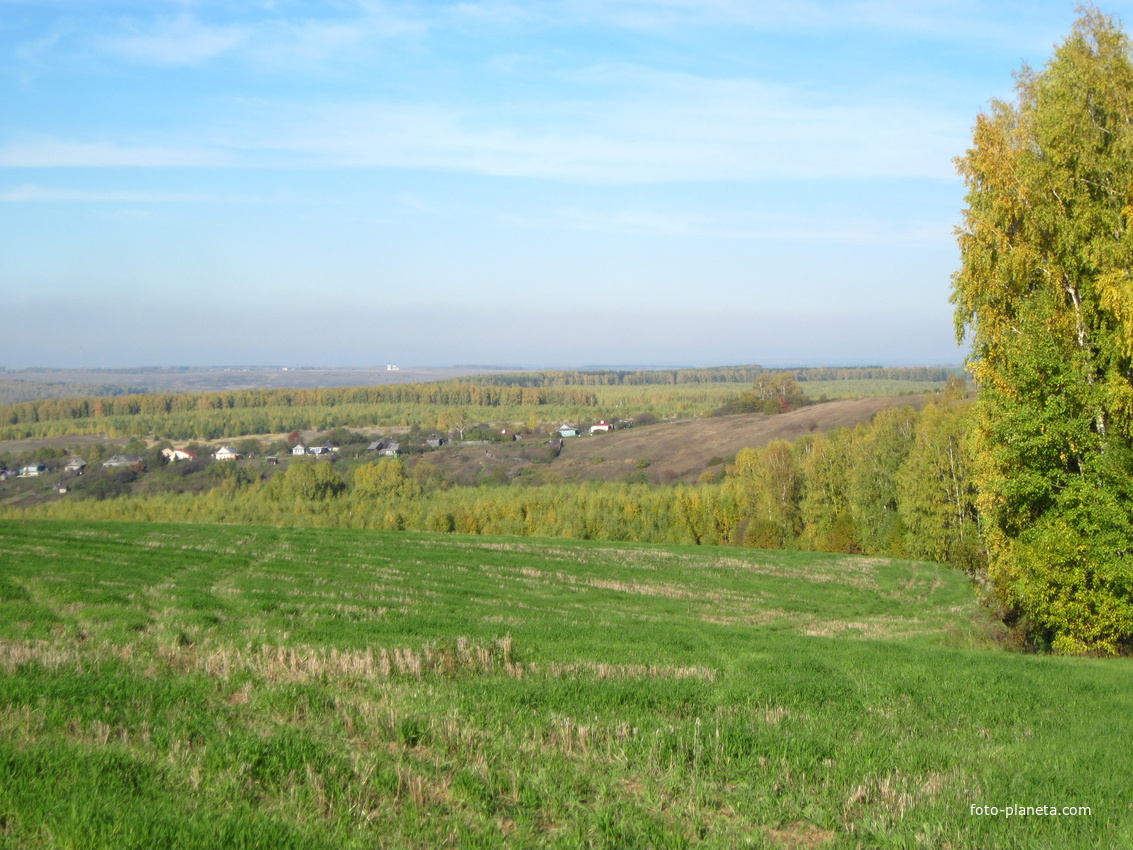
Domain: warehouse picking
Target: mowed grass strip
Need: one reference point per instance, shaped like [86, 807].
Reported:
[191, 686]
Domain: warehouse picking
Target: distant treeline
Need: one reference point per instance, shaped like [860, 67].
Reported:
[17, 390]
[127, 370]
[875, 373]
[211, 415]
[900, 486]
[715, 375]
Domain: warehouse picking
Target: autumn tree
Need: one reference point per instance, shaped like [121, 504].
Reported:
[384, 479]
[937, 496]
[765, 484]
[876, 454]
[828, 525]
[1045, 295]
[308, 480]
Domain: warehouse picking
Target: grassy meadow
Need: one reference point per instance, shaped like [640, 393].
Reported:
[239, 686]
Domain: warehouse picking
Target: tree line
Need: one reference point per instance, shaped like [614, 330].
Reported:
[213, 415]
[713, 375]
[445, 393]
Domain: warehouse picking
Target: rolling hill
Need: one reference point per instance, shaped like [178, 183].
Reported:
[194, 686]
[665, 452]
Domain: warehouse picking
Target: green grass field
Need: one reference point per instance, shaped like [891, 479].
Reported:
[196, 686]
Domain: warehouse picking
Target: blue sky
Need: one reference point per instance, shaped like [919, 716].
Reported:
[582, 182]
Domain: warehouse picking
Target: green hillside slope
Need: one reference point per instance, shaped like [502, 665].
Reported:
[195, 686]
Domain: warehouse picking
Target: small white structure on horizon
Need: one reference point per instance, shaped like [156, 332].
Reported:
[392, 368]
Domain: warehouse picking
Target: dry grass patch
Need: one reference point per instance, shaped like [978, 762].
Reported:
[881, 627]
[49, 654]
[800, 836]
[885, 800]
[849, 572]
[754, 617]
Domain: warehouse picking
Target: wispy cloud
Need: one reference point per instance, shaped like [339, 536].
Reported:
[278, 42]
[969, 20]
[287, 35]
[677, 128]
[670, 128]
[32, 193]
[176, 41]
[50, 152]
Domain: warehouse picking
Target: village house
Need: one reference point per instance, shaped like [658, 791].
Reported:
[567, 430]
[33, 469]
[226, 453]
[75, 466]
[115, 461]
[385, 447]
[174, 455]
[601, 427]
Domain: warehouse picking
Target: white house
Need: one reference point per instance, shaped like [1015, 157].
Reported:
[601, 427]
[226, 453]
[122, 460]
[174, 455]
[32, 470]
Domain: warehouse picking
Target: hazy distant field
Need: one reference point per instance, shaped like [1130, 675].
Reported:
[178, 686]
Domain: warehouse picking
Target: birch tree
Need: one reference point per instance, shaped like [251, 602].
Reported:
[1044, 294]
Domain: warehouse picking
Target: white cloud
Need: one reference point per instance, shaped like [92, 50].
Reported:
[177, 41]
[668, 128]
[279, 42]
[32, 193]
[50, 152]
[1010, 22]
[651, 127]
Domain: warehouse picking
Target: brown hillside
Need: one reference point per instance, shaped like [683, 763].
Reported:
[665, 452]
